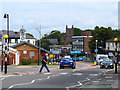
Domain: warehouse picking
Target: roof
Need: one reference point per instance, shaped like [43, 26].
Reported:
[15, 34]
[30, 45]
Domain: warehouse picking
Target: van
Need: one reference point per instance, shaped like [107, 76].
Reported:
[99, 58]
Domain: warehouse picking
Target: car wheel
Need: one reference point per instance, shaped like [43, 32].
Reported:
[73, 67]
[112, 68]
[61, 67]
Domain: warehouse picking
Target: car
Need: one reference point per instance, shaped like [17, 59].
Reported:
[119, 63]
[99, 58]
[107, 63]
[67, 62]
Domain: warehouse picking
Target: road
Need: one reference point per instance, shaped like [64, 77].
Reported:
[84, 76]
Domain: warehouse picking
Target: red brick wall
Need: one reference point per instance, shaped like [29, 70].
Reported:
[11, 58]
[86, 33]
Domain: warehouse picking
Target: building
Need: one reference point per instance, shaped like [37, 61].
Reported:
[61, 49]
[28, 50]
[110, 47]
[17, 37]
[53, 41]
[68, 36]
[23, 50]
[81, 43]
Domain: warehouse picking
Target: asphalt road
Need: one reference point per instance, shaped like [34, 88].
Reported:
[84, 76]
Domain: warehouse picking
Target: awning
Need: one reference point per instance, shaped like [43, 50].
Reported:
[74, 52]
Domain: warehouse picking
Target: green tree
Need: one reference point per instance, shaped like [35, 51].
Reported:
[77, 32]
[101, 34]
[44, 44]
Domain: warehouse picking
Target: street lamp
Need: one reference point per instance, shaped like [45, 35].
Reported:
[116, 40]
[6, 37]
[7, 16]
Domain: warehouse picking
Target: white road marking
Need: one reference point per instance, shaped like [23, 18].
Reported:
[10, 87]
[96, 81]
[79, 84]
[2, 78]
[77, 74]
[46, 73]
[87, 78]
[48, 77]
[33, 81]
[108, 77]
[63, 73]
[94, 74]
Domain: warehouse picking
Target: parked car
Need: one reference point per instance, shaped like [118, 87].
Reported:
[107, 63]
[67, 62]
[119, 63]
[99, 58]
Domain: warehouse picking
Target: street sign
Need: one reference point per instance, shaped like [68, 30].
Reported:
[110, 54]
[96, 50]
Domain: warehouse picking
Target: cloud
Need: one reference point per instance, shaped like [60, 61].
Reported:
[55, 15]
[59, 0]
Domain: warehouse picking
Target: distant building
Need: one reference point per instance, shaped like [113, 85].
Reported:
[60, 49]
[17, 37]
[110, 47]
[53, 41]
[81, 43]
[68, 36]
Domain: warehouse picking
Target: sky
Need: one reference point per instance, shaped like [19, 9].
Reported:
[55, 15]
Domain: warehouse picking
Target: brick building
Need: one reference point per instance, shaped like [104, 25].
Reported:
[68, 36]
[23, 50]
[81, 43]
[28, 50]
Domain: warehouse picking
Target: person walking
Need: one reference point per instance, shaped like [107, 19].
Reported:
[44, 63]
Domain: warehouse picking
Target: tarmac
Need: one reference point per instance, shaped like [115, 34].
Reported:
[112, 74]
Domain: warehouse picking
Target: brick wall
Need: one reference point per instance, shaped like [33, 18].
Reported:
[86, 44]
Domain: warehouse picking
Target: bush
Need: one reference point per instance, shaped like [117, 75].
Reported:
[36, 61]
[26, 61]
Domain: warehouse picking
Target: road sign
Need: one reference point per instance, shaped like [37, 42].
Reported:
[96, 50]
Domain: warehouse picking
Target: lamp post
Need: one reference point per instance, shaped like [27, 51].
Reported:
[6, 37]
[116, 40]
[7, 16]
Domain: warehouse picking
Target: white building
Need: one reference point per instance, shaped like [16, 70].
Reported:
[16, 37]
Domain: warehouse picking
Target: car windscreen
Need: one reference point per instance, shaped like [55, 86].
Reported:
[66, 59]
[107, 60]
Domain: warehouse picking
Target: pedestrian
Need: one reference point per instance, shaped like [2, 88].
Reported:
[44, 63]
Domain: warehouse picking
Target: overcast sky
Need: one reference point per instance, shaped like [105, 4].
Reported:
[56, 15]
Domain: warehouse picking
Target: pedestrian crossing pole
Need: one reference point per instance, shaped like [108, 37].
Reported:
[6, 37]
[116, 40]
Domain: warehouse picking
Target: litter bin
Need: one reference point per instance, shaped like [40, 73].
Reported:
[94, 62]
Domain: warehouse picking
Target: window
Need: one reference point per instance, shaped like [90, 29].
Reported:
[24, 52]
[25, 47]
[28, 41]
[31, 53]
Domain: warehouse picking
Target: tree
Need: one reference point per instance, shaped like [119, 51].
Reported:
[77, 32]
[44, 44]
[101, 34]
